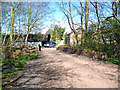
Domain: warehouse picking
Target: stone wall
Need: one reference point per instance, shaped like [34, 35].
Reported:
[17, 51]
[88, 53]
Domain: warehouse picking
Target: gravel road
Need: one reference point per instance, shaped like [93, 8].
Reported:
[56, 69]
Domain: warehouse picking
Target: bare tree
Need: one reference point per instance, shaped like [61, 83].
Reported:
[12, 20]
[115, 10]
[86, 15]
[35, 16]
[68, 14]
[80, 11]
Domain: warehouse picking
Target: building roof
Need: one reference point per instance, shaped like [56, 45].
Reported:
[72, 31]
[31, 37]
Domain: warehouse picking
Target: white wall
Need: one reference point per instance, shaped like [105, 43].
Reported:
[28, 43]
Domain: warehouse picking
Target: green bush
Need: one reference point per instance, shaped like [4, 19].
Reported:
[98, 58]
[20, 64]
[28, 57]
[36, 57]
[113, 60]
[12, 63]
[9, 73]
[7, 63]
[42, 47]
[24, 57]
[116, 61]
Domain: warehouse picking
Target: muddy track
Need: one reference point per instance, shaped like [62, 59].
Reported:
[56, 69]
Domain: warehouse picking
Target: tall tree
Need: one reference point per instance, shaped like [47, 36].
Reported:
[86, 16]
[56, 33]
[12, 20]
[68, 14]
[34, 17]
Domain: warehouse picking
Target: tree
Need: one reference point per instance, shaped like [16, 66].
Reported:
[35, 16]
[60, 33]
[56, 33]
[102, 34]
[68, 14]
[86, 15]
[9, 19]
[65, 35]
[17, 17]
[49, 31]
[12, 21]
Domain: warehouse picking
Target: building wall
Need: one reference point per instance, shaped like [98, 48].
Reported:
[72, 38]
[31, 37]
[67, 40]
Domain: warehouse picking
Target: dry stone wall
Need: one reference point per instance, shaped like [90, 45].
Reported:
[17, 51]
[88, 53]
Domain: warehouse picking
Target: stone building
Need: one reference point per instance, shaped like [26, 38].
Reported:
[33, 39]
[70, 39]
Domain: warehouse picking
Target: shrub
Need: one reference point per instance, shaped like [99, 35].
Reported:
[98, 58]
[9, 73]
[28, 57]
[24, 57]
[11, 66]
[42, 47]
[10, 62]
[36, 57]
[20, 64]
[113, 60]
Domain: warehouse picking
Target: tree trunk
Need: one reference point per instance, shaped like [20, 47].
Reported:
[82, 22]
[12, 22]
[86, 22]
[86, 16]
[73, 28]
[30, 12]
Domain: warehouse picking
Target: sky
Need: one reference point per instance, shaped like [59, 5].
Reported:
[57, 18]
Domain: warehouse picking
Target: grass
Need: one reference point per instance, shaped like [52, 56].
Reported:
[98, 58]
[12, 66]
[36, 63]
[111, 60]
[42, 47]
[58, 43]
[9, 73]
[28, 57]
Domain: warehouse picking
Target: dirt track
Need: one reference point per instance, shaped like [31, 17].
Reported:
[61, 70]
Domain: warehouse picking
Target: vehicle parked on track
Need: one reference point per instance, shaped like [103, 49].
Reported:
[50, 44]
